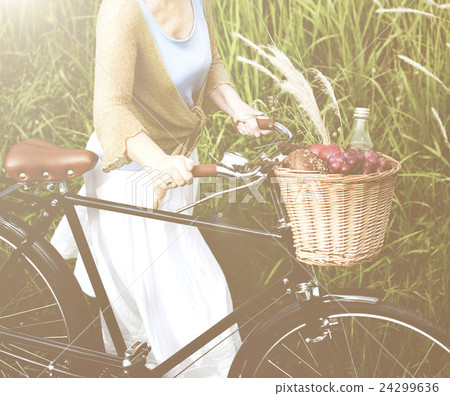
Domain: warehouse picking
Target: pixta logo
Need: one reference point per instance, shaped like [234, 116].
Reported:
[149, 188]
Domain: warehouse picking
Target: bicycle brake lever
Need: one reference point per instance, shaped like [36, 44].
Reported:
[262, 146]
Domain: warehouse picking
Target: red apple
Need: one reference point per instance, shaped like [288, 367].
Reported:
[315, 148]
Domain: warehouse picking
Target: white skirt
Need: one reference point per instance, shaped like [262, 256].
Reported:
[163, 282]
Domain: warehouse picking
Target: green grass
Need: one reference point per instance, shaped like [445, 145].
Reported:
[46, 86]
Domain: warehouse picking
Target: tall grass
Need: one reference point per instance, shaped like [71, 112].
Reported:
[46, 82]
[359, 50]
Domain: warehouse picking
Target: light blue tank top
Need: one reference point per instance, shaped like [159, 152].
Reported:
[187, 62]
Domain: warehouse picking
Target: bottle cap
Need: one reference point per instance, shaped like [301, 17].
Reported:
[362, 112]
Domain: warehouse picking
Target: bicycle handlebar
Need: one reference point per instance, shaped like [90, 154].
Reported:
[204, 170]
[211, 170]
[266, 123]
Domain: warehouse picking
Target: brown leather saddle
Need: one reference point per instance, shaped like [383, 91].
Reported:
[36, 160]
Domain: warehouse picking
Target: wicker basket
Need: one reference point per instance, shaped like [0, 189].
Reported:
[338, 220]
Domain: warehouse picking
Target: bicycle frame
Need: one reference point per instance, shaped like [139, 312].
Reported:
[51, 206]
[310, 305]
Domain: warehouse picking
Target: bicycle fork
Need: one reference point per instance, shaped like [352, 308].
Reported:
[318, 326]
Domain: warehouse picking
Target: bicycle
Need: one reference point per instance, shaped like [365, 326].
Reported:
[46, 328]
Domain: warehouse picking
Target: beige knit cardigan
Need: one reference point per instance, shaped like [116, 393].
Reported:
[133, 90]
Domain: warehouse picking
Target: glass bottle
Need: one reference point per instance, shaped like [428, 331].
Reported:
[360, 137]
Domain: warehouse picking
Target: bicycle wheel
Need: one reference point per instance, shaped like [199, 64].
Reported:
[39, 296]
[364, 340]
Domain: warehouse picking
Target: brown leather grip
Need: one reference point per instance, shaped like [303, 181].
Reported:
[205, 170]
[263, 123]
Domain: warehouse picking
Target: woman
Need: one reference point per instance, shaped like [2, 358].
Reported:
[156, 64]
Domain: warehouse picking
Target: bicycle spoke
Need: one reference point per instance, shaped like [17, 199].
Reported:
[33, 280]
[381, 349]
[384, 348]
[38, 362]
[349, 349]
[24, 359]
[5, 268]
[21, 368]
[337, 358]
[48, 329]
[300, 359]
[442, 369]
[49, 322]
[274, 365]
[15, 298]
[29, 296]
[397, 361]
[307, 347]
[27, 311]
[12, 368]
[41, 358]
[421, 363]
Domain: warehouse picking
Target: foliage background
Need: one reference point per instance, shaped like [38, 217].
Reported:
[46, 84]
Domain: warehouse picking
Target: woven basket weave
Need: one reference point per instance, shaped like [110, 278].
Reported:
[338, 220]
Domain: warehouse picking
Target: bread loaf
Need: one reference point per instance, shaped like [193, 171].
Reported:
[302, 159]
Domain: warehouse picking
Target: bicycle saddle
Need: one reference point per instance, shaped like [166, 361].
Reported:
[38, 160]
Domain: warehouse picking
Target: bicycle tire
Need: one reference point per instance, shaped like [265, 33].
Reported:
[41, 297]
[367, 340]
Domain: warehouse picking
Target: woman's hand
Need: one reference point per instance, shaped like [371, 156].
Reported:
[167, 171]
[245, 121]
[244, 116]
[173, 171]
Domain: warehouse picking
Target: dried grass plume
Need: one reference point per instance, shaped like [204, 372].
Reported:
[294, 83]
[422, 69]
[403, 11]
[441, 125]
